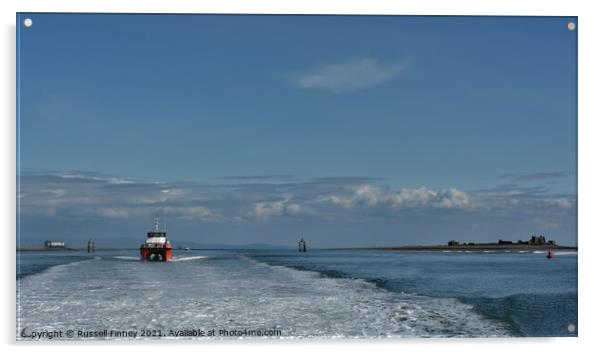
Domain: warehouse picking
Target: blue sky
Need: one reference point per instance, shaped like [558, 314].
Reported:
[349, 130]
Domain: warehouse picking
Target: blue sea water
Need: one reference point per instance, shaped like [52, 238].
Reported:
[321, 293]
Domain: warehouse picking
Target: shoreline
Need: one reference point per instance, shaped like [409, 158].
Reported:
[481, 247]
[430, 248]
[42, 249]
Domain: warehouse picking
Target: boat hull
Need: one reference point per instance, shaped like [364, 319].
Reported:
[157, 254]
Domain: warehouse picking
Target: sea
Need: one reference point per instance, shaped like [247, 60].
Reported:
[268, 294]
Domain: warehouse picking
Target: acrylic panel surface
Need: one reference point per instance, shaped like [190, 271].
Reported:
[428, 164]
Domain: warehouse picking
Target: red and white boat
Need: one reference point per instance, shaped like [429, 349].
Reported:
[157, 246]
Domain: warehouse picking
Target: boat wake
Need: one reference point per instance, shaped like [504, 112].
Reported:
[231, 292]
[565, 253]
[127, 258]
[175, 259]
[183, 259]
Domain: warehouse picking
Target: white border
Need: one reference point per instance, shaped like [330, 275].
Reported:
[590, 24]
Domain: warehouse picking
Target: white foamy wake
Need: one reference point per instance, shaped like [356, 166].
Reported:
[182, 259]
[565, 253]
[127, 258]
[175, 259]
[234, 294]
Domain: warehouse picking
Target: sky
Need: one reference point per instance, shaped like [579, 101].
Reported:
[345, 130]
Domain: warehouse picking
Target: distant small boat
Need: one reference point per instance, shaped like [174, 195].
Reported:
[186, 248]
[550, 255]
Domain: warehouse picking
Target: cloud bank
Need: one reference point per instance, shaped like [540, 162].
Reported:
[368, 195]
[278, 207]
[85, 194]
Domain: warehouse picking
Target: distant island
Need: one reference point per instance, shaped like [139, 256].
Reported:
[535, 243]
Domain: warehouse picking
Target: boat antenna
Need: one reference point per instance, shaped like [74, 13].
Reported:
[157, 223]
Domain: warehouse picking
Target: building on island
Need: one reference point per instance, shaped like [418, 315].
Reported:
[540, 240]
[534, 241]
[54, 244]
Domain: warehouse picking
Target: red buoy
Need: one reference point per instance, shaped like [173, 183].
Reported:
[550, 255]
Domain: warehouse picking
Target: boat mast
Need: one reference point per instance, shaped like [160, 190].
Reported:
[156, 223]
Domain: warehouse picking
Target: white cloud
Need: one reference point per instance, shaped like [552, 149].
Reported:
[93, 177]
[294, 208]
[508, 198]
[451, 198]
[368, 195]
[198, 212]
[267, 209]
[562, 203]
[114, 213]
[350, 76]
[97, 196]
